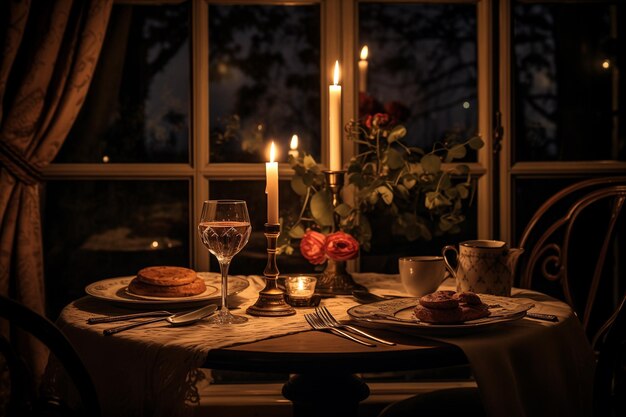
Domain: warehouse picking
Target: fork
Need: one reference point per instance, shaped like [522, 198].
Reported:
[316, 323]
[328, 319]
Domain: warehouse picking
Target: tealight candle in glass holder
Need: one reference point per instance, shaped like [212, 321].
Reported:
[300, 289]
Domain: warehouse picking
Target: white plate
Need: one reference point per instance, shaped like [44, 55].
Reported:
[114, 290]
[400, 313]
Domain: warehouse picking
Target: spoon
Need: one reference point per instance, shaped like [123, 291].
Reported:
[179, 319]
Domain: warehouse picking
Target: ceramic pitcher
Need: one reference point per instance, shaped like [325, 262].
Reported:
[483, 266]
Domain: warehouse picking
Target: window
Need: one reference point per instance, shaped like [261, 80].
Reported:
[264, 80]
[560, 130]
[424, 75]
[559, 118]
[188, 94]
[421, 72]
[138, 106]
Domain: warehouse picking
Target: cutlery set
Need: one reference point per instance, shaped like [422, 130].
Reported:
[178, 319]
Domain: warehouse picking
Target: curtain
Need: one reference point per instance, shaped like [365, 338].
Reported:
[49, 53]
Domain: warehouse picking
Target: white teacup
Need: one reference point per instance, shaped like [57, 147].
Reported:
[421, 275]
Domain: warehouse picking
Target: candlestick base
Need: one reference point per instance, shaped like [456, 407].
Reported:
[271, 301]
[336, 280]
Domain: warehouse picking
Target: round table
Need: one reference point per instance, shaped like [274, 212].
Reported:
[146, 370]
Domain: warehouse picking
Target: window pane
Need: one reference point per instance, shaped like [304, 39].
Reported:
[567, 91]
[100, 229]
[137, 109]
[253, 258]
[420, 71]
[264, 80]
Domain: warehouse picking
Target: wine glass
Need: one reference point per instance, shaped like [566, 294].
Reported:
[224, 229]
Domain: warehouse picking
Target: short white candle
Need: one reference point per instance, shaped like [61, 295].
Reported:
[300, 287]
[363, 70]
[334, 109]
[271, 173]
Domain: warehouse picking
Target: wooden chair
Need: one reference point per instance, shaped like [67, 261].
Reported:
[574, 244]
[578, 226]
[23, 399]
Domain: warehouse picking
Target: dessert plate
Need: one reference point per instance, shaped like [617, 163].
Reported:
[115, 290]
[398, 313]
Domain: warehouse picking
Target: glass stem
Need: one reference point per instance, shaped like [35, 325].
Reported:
[224, 270]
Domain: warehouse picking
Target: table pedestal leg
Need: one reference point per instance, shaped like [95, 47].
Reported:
[330, 395]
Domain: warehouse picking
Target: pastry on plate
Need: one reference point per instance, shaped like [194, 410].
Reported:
[139, 287]
[449, 307]
[166, 281]
[166, 276]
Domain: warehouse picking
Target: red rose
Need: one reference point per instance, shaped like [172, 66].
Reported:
[341, 246]
[312, 247]
[380, 119]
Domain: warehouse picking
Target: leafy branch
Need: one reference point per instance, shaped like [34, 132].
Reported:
[387, 178]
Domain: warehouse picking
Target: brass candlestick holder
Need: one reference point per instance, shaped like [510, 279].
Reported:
[271, 301]
[335, 279]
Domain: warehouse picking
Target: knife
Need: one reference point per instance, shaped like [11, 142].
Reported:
[160, 313]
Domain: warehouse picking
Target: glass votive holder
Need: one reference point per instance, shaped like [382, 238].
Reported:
[299, 290]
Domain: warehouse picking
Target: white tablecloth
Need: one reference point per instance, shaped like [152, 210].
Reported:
[526, 368]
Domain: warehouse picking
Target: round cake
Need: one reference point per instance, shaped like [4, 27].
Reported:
[166, 276]
[195, 287]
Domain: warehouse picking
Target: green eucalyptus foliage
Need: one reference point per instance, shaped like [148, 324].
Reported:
[423, 196]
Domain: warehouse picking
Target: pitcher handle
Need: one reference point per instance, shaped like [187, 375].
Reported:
[445, 259]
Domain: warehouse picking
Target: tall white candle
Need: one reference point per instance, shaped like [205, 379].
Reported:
[271, 176]
[363, 70]
[334, 109]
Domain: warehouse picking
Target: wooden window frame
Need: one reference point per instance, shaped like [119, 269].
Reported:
[339, 35]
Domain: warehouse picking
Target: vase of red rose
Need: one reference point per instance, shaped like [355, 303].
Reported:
[334, 249]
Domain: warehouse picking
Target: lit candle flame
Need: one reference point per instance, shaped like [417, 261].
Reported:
[364, 52]
[336, 73]
[272, 152]
[294, 142]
